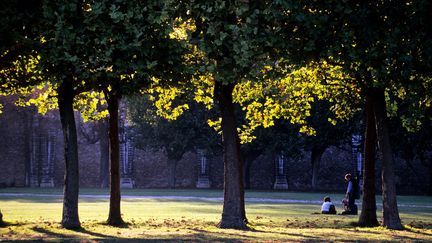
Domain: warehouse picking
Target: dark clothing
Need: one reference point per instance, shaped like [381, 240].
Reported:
[351, 198]
[351, 201]
[332, 210]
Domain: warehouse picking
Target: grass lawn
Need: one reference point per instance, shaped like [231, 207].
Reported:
[153, 217]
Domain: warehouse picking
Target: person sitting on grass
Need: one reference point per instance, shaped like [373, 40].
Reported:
[328, 207]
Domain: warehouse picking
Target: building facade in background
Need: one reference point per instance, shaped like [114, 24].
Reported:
[31, 155]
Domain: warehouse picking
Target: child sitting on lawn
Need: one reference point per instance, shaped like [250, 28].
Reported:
[328, 207]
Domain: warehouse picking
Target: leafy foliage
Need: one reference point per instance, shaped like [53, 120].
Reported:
[188, 132]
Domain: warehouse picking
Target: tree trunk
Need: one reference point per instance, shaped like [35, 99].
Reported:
[104, 153]
[28, 116]
[70, 218]
[368, 216]
[249, 158]
[233, 215]
[430, 177]
[316, 155]
[391, 218]
[114, 217]
[172, 164]
[1, 219]
[248, 165]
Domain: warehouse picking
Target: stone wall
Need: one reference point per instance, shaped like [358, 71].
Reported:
[262, 172]
[89, 159]
[12, 145]
[216, 171]
[150, 168]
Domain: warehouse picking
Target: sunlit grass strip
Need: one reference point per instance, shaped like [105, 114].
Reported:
[199, 230]
[162, 219]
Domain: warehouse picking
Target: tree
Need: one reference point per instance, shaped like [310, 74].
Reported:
[47, 49]
[244, 55]
[327, 134]
[378, 44]
[368, 217]
[131, 49]
[412, 146]
[104, 150]
[98, 132]
[18, 57]
[187, 133]
[343, 44]
[282, 138]
[24, 45]
[60, 32]
[65, 31]
[232, 38]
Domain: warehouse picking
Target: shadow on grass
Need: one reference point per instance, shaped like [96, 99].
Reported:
[52, 234]
[123, 225]
[335, 222]
[206, 236]
[99, 235]
[313, 238]
[197, 236]
[69, 237]
[5, 224]
[417, 231]
[397, 237]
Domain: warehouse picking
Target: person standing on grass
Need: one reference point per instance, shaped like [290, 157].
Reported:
[350, 194]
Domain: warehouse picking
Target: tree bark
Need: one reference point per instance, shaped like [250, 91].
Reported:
[248, 165]
[233, 215]
[172, 164]
[248, 160]
[368, 216]
[1, 219]
[391, 218]
[430, 178]
[28, 117]
[114, 217]
[70, 219]
[316, 155]
[104, 153]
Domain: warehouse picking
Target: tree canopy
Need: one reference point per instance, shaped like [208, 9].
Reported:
[262, 60]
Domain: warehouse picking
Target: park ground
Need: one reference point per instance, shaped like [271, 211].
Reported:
[192, 215]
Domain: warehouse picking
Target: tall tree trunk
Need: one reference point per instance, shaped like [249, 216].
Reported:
[104, 153]
[368, 216]
[233, 215]
[249, 158]
[28, 117]
[65, 97]
[430, 177]
[316, 155]
[391, 218]
[114, 217]
[248, 165]
[172, 164]
[1, 219]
